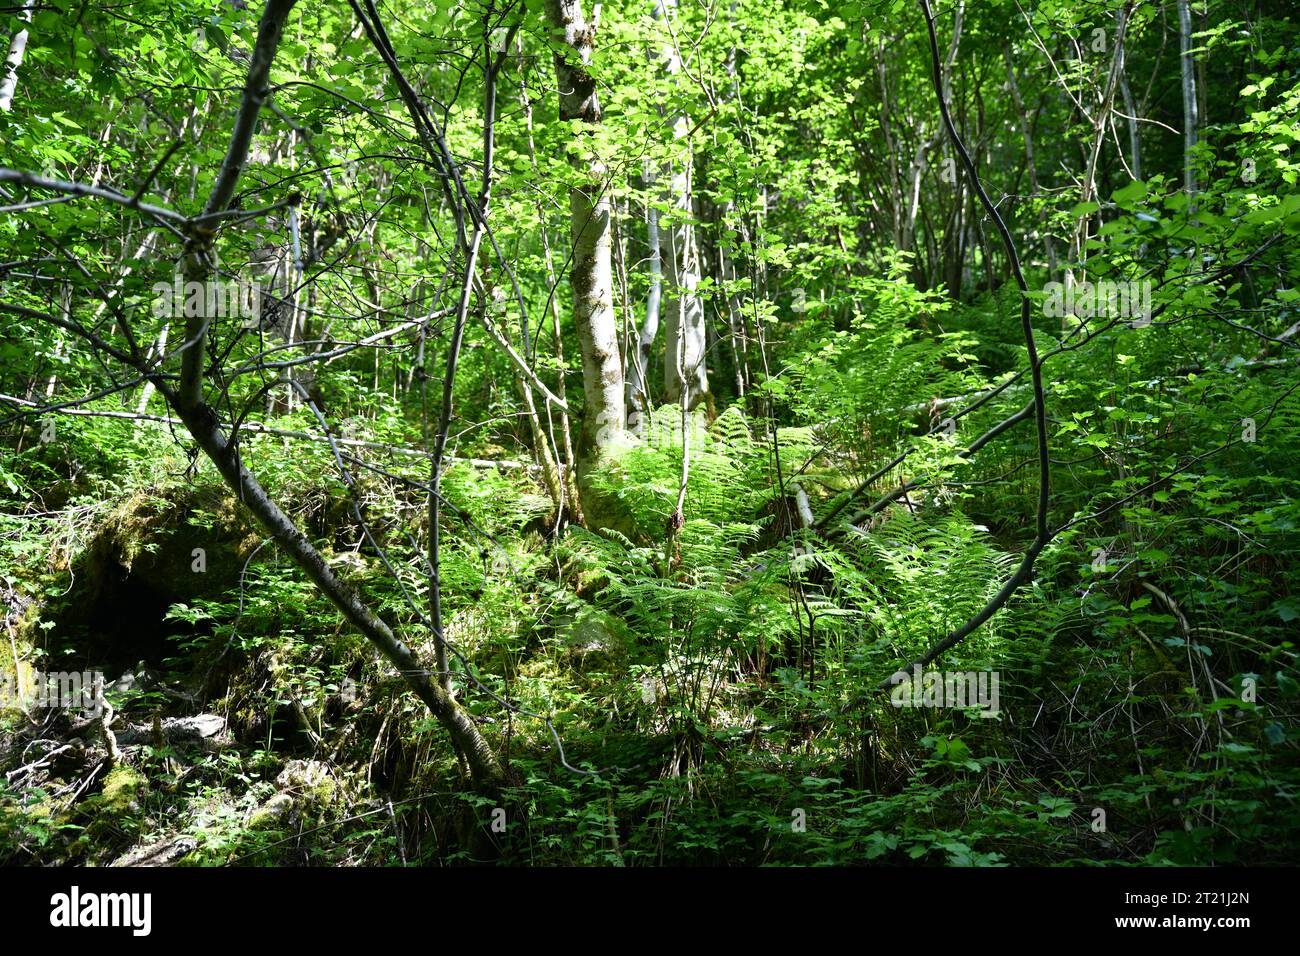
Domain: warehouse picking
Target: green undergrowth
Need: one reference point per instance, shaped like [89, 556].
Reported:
[707, 688]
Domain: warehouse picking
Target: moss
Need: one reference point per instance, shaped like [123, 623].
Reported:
[310, 779]
[308, 788]
[122, 788]
[272, 813]
[17, 676]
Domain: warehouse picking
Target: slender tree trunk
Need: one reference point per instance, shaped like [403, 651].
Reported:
[915, 171]
[156, 351]
[543, 450]
[1190, 116]
[725, 230]
[1100, 123]
[954, 250]
[1026, 126]
[735, 305]
[638, 358]
[591, 274]
[686, 380]
[569, 467]
[200, 260]
[17, 50]
[1130, 105]
[203, 424]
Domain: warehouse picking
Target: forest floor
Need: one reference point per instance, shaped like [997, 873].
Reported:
[246, 725]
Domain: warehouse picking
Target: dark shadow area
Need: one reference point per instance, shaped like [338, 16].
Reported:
[111, 620]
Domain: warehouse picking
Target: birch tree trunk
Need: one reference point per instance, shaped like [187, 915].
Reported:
[591, 273]
[17, 50]
[686, 379]
[638, 358]
[569, 468]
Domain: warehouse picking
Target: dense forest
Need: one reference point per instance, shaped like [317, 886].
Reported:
[760, 432]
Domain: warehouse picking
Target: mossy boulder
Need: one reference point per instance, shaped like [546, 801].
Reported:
[273, 813]
[307, 786]
[309, 780]
[155, 550]
[123, 788]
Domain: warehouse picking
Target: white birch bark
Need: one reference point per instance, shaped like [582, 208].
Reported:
[17, 50]
[686, 379]
[591, 273]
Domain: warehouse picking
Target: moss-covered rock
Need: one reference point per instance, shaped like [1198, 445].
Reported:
[309, 780]
[123, 788]
[272, 814]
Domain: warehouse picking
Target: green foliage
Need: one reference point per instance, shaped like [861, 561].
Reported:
[712, 674]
